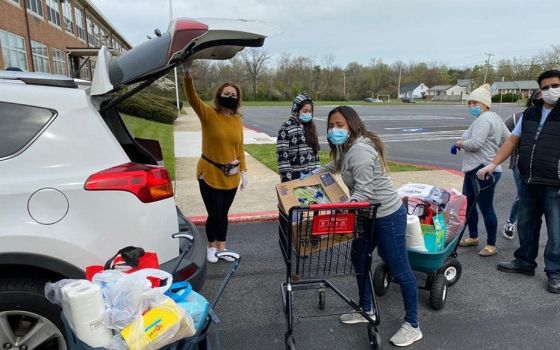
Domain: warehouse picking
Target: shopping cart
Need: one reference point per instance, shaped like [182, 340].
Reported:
[442, 268]
[316, 242]
[199, 341]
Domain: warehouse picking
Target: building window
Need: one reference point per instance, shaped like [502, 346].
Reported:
[16, 1]
[13, 50]
[84, 71]
[67, 12]
[89, 25]
[79, 23]
[96, 41]
[54, 15]
[35, 6]
[40, 57]
[59, 62]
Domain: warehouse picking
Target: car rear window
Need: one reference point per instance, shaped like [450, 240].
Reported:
[20, 125]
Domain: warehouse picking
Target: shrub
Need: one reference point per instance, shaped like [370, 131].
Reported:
[151, 107]
[509, 97]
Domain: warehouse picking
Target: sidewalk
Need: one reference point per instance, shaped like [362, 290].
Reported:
[258, 202]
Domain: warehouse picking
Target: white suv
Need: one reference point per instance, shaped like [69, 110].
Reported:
[76, 185]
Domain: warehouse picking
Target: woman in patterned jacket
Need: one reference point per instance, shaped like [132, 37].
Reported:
[297, 145]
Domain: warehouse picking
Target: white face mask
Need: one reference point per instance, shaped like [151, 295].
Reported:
[551, 95]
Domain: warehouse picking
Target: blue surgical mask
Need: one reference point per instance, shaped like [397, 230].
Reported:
[305, 118]
[475, 111]
[338, 136]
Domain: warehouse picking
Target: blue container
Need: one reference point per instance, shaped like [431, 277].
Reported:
[429, 262]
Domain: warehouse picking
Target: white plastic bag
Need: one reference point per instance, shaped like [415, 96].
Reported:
[128, 296]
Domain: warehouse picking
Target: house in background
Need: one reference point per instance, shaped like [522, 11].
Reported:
[413, 90]
[55, 36]
[521, 87]
[447, 93]
[466, 83]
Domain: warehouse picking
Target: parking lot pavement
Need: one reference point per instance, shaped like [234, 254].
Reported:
[486, 309]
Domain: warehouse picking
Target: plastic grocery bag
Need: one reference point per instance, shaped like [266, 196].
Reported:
[456, 210]
[129, 295]
[163, 324]
[193, 303]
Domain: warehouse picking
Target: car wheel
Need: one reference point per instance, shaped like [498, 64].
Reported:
[28, 321]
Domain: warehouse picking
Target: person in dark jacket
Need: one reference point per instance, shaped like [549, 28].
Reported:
[537, 138]
[297, 144]
[511, 122]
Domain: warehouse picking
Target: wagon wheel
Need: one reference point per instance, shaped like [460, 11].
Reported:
[381, 279]
[438, 292]
[452, 270]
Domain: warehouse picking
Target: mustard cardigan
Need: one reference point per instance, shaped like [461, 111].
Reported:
[222, 141]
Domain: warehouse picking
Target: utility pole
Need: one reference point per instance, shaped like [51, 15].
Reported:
[487, 65]
[174, 69]
[399, 84]
[344, 84]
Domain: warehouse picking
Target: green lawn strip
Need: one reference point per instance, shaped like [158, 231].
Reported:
[266, 154]
[147, 129]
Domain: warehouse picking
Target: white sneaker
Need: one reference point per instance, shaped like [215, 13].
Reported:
[354, 317]
[211, 255]
[406, 335]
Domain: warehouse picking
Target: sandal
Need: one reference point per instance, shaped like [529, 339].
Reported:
[468, 242]
[489, 250]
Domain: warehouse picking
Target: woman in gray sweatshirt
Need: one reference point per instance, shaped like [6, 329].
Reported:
[358, 155]
[480, 143]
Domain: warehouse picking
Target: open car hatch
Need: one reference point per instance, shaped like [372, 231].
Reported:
[208, 38]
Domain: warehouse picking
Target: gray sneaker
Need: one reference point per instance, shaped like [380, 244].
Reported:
[354, 318]
[406, 335]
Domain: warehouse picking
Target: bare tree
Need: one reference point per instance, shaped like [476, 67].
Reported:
[254, 61]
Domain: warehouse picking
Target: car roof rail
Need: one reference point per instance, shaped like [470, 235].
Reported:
[35, 78]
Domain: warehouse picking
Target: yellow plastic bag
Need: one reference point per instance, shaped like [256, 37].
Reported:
[161, 325]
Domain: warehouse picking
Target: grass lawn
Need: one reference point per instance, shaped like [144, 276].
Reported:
[148, 129]
[266, 154]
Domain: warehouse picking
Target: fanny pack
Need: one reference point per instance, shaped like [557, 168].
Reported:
[228, 169]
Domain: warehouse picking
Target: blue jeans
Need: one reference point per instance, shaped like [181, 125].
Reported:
[534, 201]
[485, 204]
[390, 239]
[513, 212]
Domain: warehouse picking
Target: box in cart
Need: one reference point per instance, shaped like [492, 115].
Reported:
[322, 188]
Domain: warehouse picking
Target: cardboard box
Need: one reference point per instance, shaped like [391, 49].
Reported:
[305, 243]
[331, 190]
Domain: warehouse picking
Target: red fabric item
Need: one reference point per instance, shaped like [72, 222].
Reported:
[148, 261]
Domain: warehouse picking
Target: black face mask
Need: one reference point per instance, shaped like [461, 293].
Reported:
[228, 102]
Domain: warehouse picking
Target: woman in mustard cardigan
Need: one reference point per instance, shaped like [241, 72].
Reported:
[222, 164]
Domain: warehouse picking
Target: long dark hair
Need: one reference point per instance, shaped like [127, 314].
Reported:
[357, 129]
[309, 130]
[218, 93]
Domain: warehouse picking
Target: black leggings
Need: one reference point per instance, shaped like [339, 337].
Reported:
[217, 203]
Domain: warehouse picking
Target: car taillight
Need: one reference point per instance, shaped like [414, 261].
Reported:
[148, 183]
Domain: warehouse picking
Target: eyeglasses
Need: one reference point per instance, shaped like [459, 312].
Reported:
[554, 86]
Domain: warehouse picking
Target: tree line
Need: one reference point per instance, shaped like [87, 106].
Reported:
[263, 79]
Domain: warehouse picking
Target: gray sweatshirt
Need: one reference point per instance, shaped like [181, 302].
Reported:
[362, 172]
[482, 140]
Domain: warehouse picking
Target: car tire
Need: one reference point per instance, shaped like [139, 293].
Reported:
[25, 308]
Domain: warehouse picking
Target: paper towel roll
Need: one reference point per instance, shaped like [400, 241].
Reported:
[414, 238]
[85, 314]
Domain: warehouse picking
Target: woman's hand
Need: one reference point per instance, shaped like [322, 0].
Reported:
[483, 173]
[244, 181]
[459, 144]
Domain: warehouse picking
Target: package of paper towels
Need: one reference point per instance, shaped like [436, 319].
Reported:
[83, 307]
[414, 237]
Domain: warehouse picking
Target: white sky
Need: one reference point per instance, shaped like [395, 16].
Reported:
[452, 32]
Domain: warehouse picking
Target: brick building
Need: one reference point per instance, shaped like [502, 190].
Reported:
[55, 36]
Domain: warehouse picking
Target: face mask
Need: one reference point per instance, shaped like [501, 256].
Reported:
[338, 136]
[305, 118]
[475, 111]
[551, 95]
[228, 102]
